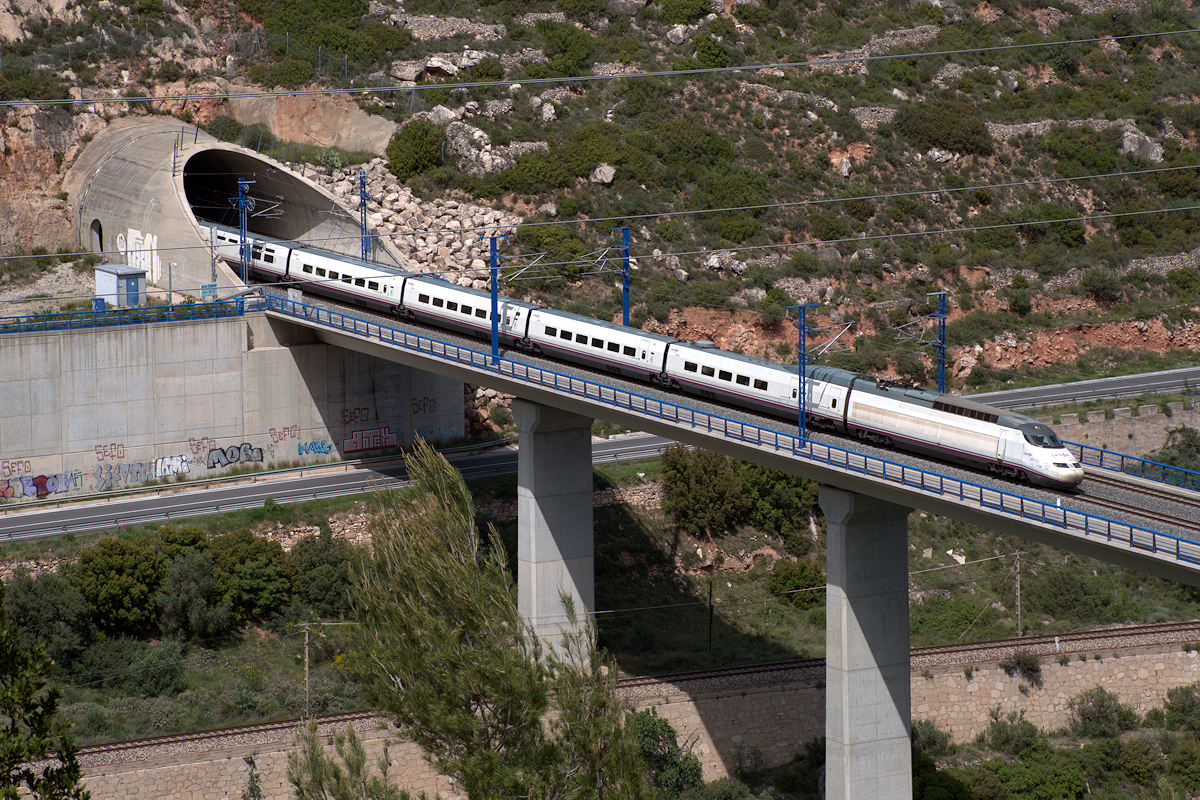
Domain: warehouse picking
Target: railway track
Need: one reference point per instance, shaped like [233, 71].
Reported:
[729, 678]
[1173, 505]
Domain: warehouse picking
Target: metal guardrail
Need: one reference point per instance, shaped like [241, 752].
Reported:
[1008, 503]
[1132, 465]
[127, 316]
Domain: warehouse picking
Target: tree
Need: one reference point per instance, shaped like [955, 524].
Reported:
[119, 578]
[191, 604]
[316, 776]
[254, 573]
[703, 490]
[415, 148]
[36, 754]
[322, 578]
[443, 650]
[48, 609]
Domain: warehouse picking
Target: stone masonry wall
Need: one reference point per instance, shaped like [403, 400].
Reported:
[1125, 432]
[772, 714]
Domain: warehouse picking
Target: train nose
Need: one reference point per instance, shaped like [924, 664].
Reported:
[1068, 471]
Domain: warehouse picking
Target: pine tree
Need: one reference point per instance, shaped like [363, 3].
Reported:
[37, 756]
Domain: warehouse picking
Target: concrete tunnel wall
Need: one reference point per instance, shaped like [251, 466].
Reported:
[141, 188]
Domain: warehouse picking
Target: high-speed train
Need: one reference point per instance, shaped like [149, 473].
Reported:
[873, 410]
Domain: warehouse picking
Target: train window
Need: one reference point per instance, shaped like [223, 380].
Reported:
[269, 258]
[742, 380]
[551, 331]
[690, 366]
[359, 282]
[629, 351]
[581, 338]
[306, 268]
[613, 347]
[321, 272]
[422, 298]
[468, 310]
[794, 393]
[565, 335]
[347, 279]
[707, 372]
[597, 343]
[760, 384]
[373, 285]
[725, 375]
[437, 301]
[451, 305]
[481, 313]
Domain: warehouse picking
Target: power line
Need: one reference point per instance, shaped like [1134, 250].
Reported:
[369, 90]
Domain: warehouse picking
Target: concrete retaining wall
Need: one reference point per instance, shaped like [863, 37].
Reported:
[721, 720]
[108, 408]
[1133, 431]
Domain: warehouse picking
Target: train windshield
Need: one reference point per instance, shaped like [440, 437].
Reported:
[1041, 436]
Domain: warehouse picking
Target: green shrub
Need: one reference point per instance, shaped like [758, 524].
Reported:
[1101, 283]
[703, 491]
[1012, 734]
[1024, 663]
[258, 136]
[579, 9]
[49, 610]
[415, 148]
[679, 12]
[1183, 707]
[672, 769]
[169, 71]
[931, 741]
[721, 789]
[953, 125]
[227, 129]
[1098, 712]
[290, 73]
[1183, 765]
[569, 49]
[133, 667]
[488, 69]
[1182, 449]
[118, 578]
[191, 604]
[790, 576]
[1141, 760]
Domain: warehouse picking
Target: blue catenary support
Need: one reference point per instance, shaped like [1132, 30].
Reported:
[802, 358]
[362, 214]
[243, 203]
[495, 282]
[624, 275]
[940, 316]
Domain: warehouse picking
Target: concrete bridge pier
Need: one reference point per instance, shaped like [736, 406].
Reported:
[554, 516]
[867, 696]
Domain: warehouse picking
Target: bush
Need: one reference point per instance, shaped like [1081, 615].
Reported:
[227, 129]
[191, 604]
[953, 125]
[681, 12]
[290, 73]
[672, 770]
[1102, 284]
[133, 667]
[169, 71]
[118, 578]
[722, 789]
[48, 609]
[1141, 760]
[1182, 449]
[931, 741]
[1098, 712]
[258, 136]
[322, 578]
[1024, 663]
[415, 148]
[788, 576]
[569, 49]
[1183, 707]
[703, 491]
[253, 573]
[1012, 734]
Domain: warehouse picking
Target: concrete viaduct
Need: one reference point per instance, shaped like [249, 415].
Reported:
[139, 192]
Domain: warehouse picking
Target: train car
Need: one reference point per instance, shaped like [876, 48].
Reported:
[943, 426]
[605, 345]
[445, 305]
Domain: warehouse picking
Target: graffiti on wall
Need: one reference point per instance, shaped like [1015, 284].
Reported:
[201, 445]
[322, 447]
[15, 467]
[353, 415]
[288, 432]
[114, 450]
[116, 476]
[141, 250]
[424, 405]
[245, 453]
[40, 485]
[360, 441]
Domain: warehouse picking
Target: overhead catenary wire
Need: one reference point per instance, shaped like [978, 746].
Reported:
[819, 62]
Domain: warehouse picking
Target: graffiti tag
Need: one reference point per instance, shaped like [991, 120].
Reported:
[198, 446]
[370, 439]
[279, 434]
[306, 448]
[41, 485]
[243, 454]
[424, 405]
[352, 415]
[110, 450]
[12, 467]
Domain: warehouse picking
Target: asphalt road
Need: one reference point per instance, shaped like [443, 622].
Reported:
[289, 486]
[312, 483]
[1172, 380]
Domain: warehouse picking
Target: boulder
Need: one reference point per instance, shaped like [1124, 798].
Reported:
[1138, 144]
[603, 174]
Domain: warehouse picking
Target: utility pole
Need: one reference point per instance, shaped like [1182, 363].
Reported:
[1018, 594]
[362, 213]
[243, 204]
[307, 627]
[494, 268]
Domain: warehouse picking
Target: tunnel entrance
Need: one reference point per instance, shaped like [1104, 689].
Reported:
[282, 205]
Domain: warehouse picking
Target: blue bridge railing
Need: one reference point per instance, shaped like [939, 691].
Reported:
[1068, 520]
[1091, 456]
[128, 316]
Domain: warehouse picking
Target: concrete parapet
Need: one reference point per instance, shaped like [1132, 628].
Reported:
[554, 516]
[1126, 433]
[1069, 419]
[1147, 411]
[867, 725]
[1095, 416]
[1122, 413]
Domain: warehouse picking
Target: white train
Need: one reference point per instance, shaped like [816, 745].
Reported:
[944, 426]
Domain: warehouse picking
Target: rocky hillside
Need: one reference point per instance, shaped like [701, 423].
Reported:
[1036, 184]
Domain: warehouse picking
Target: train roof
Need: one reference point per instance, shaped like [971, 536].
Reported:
[709, 347]
[317, 251]
[658, 337]
[486, 297]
